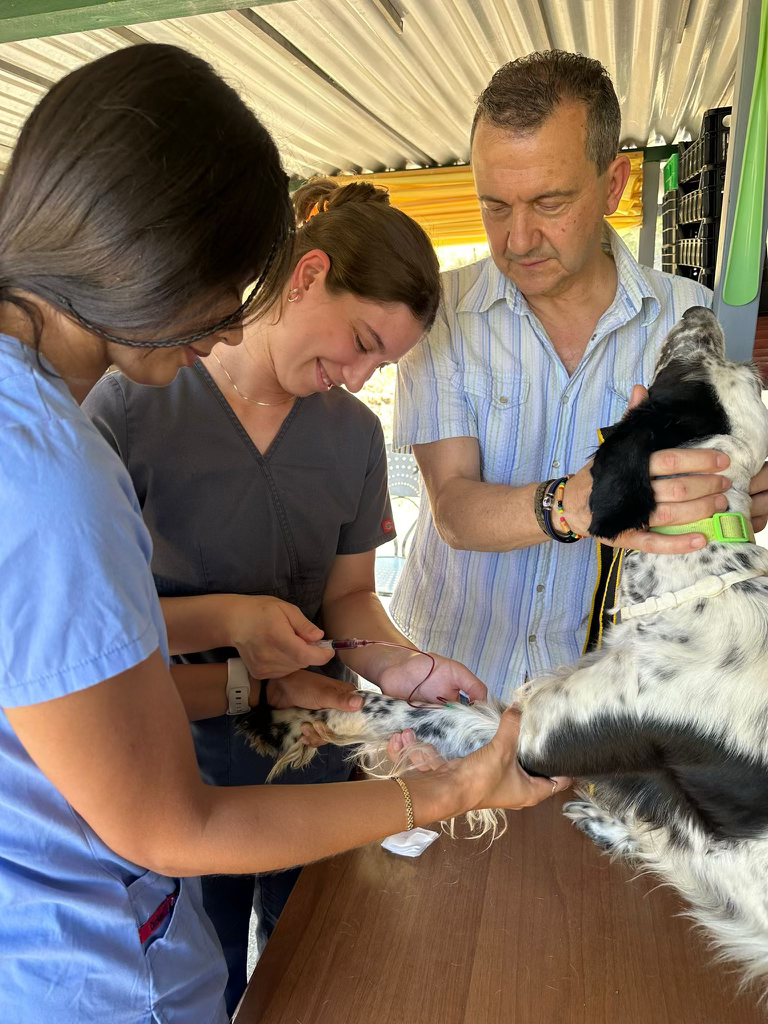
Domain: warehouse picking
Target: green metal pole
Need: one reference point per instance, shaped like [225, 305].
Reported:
[744, 262]
[744, 215]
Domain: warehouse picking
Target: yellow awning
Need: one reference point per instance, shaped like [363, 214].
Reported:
[443, 200]
[630, 211]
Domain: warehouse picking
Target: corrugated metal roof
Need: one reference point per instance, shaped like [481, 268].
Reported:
[342, 90]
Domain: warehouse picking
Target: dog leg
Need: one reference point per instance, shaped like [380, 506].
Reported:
[586, 723]
[453, 729]
[605, 830]
[600, 681]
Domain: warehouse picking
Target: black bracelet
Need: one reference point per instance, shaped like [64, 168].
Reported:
[547, 504]
[538, 507]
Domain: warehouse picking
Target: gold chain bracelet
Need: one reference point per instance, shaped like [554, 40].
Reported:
[408, 802]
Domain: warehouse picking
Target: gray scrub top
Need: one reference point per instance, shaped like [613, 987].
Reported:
[226, 519]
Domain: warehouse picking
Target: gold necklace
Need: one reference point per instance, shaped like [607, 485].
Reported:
[237, 389]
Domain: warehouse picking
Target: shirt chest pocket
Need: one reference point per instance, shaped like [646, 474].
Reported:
[499, 393]
[496, 405]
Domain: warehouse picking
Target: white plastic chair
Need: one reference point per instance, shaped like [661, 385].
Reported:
[404, 485]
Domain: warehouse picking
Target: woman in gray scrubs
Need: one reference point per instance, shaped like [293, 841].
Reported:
[262, 480]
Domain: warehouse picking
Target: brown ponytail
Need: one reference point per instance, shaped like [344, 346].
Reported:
[376, 251]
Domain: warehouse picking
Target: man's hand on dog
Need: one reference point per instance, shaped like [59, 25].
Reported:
[688, 485]
[758, 488]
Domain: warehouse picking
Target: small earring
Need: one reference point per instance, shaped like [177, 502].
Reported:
[293, 294]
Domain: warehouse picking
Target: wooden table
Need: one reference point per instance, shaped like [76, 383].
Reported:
[539, 929]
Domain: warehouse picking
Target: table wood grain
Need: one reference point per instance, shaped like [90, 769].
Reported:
[540, 928]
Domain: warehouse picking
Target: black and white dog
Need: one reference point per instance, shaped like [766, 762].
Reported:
[666, 726]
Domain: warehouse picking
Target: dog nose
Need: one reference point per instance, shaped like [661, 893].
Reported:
[698, 313]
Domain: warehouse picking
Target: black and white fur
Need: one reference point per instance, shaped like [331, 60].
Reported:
[666, 726]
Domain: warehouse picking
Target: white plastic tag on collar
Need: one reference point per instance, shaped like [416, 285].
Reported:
[709, 586]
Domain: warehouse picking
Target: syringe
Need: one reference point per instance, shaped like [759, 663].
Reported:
[346, 644]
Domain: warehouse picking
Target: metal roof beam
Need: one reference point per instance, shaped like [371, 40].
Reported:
[391, 13]
[33, 19]
[25, 74]
[284, 43]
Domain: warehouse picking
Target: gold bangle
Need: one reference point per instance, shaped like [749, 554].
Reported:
[408, 802]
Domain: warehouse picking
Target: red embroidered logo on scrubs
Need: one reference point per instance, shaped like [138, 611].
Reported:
[158, 915]
[387, 525]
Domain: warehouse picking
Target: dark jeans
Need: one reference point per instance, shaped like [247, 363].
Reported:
[228, 900]
[226, 760]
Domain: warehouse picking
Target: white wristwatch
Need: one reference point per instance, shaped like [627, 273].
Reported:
[238, 687]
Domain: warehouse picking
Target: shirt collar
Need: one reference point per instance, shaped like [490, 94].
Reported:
[634, 286]
[634, 289]
[491, 286]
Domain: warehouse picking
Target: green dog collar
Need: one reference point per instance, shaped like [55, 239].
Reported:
[732, 527]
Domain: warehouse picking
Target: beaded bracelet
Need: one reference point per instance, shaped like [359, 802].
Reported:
[568, 535]
[547, 504]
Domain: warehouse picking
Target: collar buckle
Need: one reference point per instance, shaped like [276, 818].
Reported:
[732, 528]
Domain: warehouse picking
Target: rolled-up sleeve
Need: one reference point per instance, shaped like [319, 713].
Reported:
[430, 404]
[373, 525]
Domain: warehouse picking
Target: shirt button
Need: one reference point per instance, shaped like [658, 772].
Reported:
[555, 464]
[503, 398]
[539, 587]
[532, 638]
[564, 400]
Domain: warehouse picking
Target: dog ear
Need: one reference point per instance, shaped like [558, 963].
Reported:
[677, 412]
[622, 497]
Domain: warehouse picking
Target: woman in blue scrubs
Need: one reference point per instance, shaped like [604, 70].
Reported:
[142, 198]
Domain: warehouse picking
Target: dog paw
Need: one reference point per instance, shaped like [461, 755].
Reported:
[601, 827]
[276, 733]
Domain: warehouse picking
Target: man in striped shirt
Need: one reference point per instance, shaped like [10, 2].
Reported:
[533, 350]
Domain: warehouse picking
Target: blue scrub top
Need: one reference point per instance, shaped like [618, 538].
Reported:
[78, 605]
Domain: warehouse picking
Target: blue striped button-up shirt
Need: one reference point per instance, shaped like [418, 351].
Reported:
[488, 370]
